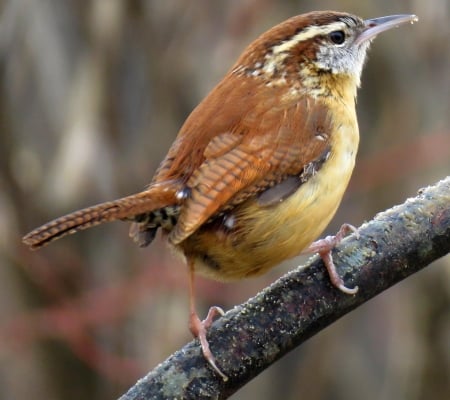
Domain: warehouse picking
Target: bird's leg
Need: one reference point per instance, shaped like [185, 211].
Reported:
[324, 246]
[198, 327]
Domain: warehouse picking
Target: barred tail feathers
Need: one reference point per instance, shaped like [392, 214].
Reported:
[123, 208]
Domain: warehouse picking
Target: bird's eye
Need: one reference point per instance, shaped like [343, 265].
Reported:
[337, 37]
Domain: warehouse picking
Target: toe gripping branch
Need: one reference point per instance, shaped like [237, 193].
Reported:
[324, 247]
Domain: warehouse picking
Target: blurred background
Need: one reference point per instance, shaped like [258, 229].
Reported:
[93, 93]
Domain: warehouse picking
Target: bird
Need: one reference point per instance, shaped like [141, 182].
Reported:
[260, 166]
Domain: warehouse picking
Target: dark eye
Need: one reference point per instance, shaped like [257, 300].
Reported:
[337, 37]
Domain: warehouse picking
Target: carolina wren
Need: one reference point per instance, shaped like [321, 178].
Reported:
[259, 168]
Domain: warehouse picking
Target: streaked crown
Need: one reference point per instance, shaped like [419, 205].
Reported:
[310, 46]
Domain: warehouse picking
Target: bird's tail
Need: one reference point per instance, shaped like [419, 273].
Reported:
[127, 207]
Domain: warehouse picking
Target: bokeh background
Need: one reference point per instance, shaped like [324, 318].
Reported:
[92, 95]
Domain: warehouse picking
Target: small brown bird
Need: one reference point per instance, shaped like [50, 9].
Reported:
[259, 168]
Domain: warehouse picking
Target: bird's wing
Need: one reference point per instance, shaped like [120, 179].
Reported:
[263, 157]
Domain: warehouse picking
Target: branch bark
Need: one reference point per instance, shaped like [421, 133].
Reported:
[252, 336]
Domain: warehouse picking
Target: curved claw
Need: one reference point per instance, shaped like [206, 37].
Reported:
[347, 290]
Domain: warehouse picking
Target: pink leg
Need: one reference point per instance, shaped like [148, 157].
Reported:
[324, 247]
[198, 327]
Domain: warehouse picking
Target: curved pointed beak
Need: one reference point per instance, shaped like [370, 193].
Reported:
[377, 25]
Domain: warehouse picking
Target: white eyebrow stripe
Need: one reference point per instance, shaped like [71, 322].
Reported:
[307, 34]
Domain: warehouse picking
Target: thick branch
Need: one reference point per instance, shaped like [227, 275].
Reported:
[250, 337]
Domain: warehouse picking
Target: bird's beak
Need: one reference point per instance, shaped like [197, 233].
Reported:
[377, 25]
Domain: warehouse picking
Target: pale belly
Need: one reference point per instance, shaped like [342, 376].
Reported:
[262, 237]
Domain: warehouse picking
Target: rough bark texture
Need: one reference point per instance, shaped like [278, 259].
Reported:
[250, 337]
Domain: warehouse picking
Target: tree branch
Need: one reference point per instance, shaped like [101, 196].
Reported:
[252, 336]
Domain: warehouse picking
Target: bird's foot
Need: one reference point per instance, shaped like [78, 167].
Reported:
[324, 246]
[199, 328]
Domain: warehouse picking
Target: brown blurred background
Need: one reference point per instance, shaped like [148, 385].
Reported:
[92, 95]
